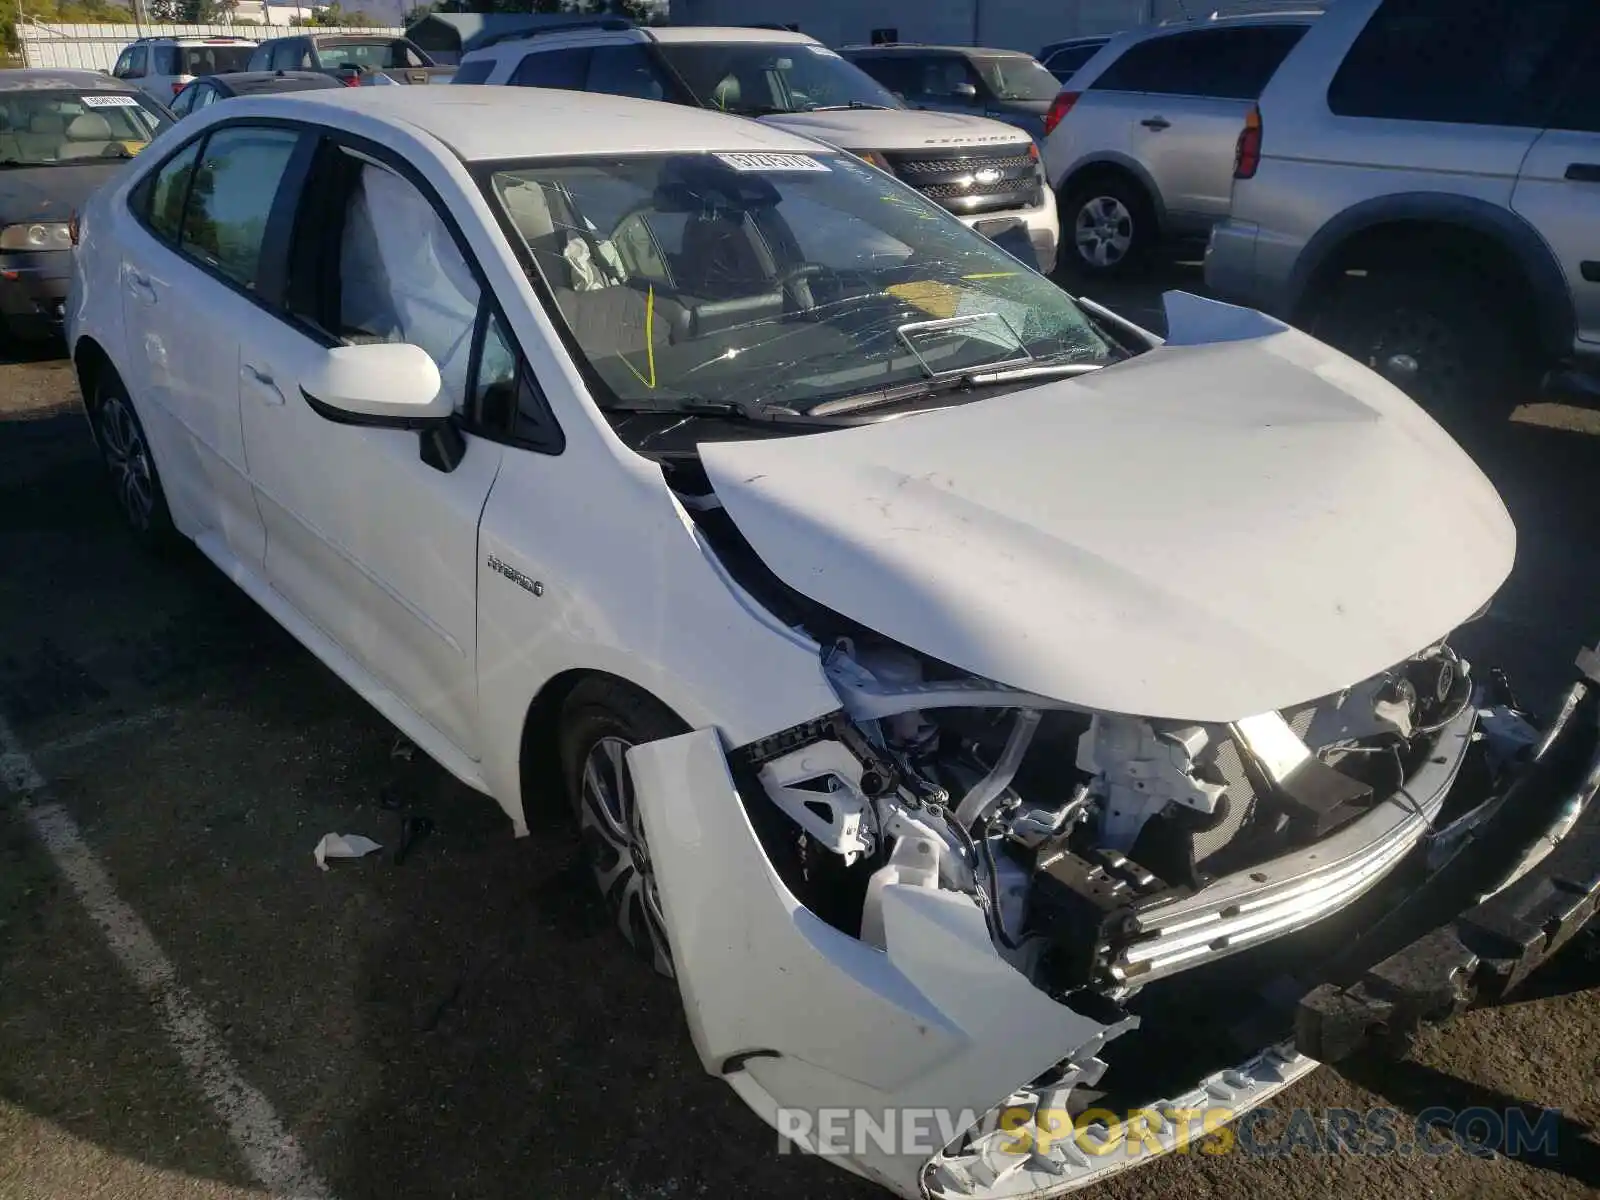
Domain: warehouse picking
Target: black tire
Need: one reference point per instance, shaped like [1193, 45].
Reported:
[1119, 212]
[600, 719]
[125, 451]
[1437, 335]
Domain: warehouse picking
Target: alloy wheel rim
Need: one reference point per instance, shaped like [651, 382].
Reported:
[613, 833]
[128, 458]
[1103, 231]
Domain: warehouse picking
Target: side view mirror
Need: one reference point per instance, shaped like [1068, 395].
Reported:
[390, 385]
[964, 91]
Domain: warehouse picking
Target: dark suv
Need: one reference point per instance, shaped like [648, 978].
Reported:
[1004, 84]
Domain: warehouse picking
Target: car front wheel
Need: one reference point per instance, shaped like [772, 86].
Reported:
[601, 720]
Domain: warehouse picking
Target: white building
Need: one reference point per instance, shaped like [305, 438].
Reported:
[1007, 24]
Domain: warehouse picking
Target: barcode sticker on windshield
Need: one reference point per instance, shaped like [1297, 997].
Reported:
[752, 161]
[112, 101]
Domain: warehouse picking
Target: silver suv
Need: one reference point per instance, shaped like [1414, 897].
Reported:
[1139, 147]
[1420, 186]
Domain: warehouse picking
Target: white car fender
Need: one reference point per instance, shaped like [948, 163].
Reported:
[813, 1018]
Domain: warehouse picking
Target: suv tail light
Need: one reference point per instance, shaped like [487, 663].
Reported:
[1059, 108]
[177, 86]
[1247, 154]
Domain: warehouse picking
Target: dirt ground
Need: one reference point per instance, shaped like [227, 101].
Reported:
[464, 1024]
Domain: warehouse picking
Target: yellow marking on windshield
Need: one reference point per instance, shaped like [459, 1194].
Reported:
[649, 342]
[992, 275]
[932, 296]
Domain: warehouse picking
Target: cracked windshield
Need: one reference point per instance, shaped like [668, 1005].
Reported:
[40, 128]
[775, 282]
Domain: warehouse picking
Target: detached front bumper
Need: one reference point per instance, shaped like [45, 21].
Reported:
[33, 291]
[1520, 880]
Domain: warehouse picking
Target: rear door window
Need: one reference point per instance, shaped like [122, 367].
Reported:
[164, 61]
[1472, 62]
[1225, 64]
[159, 200]
[567, 69]
[235, 184]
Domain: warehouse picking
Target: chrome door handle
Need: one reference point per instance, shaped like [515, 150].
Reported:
[1156, 123]
[265, 387]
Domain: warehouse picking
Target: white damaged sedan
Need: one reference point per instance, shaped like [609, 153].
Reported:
[1019, 735]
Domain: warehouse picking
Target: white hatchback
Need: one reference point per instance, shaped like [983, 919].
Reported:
[946, 677]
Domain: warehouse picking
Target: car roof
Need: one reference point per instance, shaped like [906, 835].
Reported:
[47, 78]
[483, 123]
[923, 47]
[221, 39]
[249, 83]
[1295, 17]
[668, 34]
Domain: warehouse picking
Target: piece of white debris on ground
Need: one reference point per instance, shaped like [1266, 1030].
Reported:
[343, 845]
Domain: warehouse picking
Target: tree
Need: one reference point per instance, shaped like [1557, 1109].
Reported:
[416, 14]
[184, 12]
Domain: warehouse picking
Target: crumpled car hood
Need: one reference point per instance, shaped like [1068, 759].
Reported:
[1205, 532]
[896, 129]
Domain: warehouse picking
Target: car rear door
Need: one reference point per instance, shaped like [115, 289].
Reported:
[1184, 123]
[195, 274]
[1558, 189]
[371, 535]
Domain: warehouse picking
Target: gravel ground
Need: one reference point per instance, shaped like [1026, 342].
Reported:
[464, 1024]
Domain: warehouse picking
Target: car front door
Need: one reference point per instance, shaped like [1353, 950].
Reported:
[194, 276]
[372, 535]
[1558, 191]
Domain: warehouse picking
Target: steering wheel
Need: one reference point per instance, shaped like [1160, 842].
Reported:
[796, 282]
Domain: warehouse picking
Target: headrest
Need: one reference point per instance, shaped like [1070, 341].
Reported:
[89, 127]
[46, 122]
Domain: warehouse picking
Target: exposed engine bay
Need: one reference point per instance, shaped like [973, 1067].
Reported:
[1075, 831]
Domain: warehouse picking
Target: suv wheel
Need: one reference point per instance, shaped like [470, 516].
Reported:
[1433, 335]
[1108, 223]
[600, 721]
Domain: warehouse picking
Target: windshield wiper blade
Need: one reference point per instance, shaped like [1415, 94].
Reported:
[970, 381]
[682, 408]
[844, 107]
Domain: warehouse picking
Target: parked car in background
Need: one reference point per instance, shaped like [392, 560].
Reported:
[203, 92]
[349, 57]
[1063, 59]
[1420, 185]
[62, 135]
[162, 66]
[985, 172]
[1002, 84]
[977, 705]
[1140, 147]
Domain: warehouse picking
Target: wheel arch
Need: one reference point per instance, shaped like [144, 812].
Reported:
[1114, 166]
[539, 756]
[1462, 231]
[90, 362]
